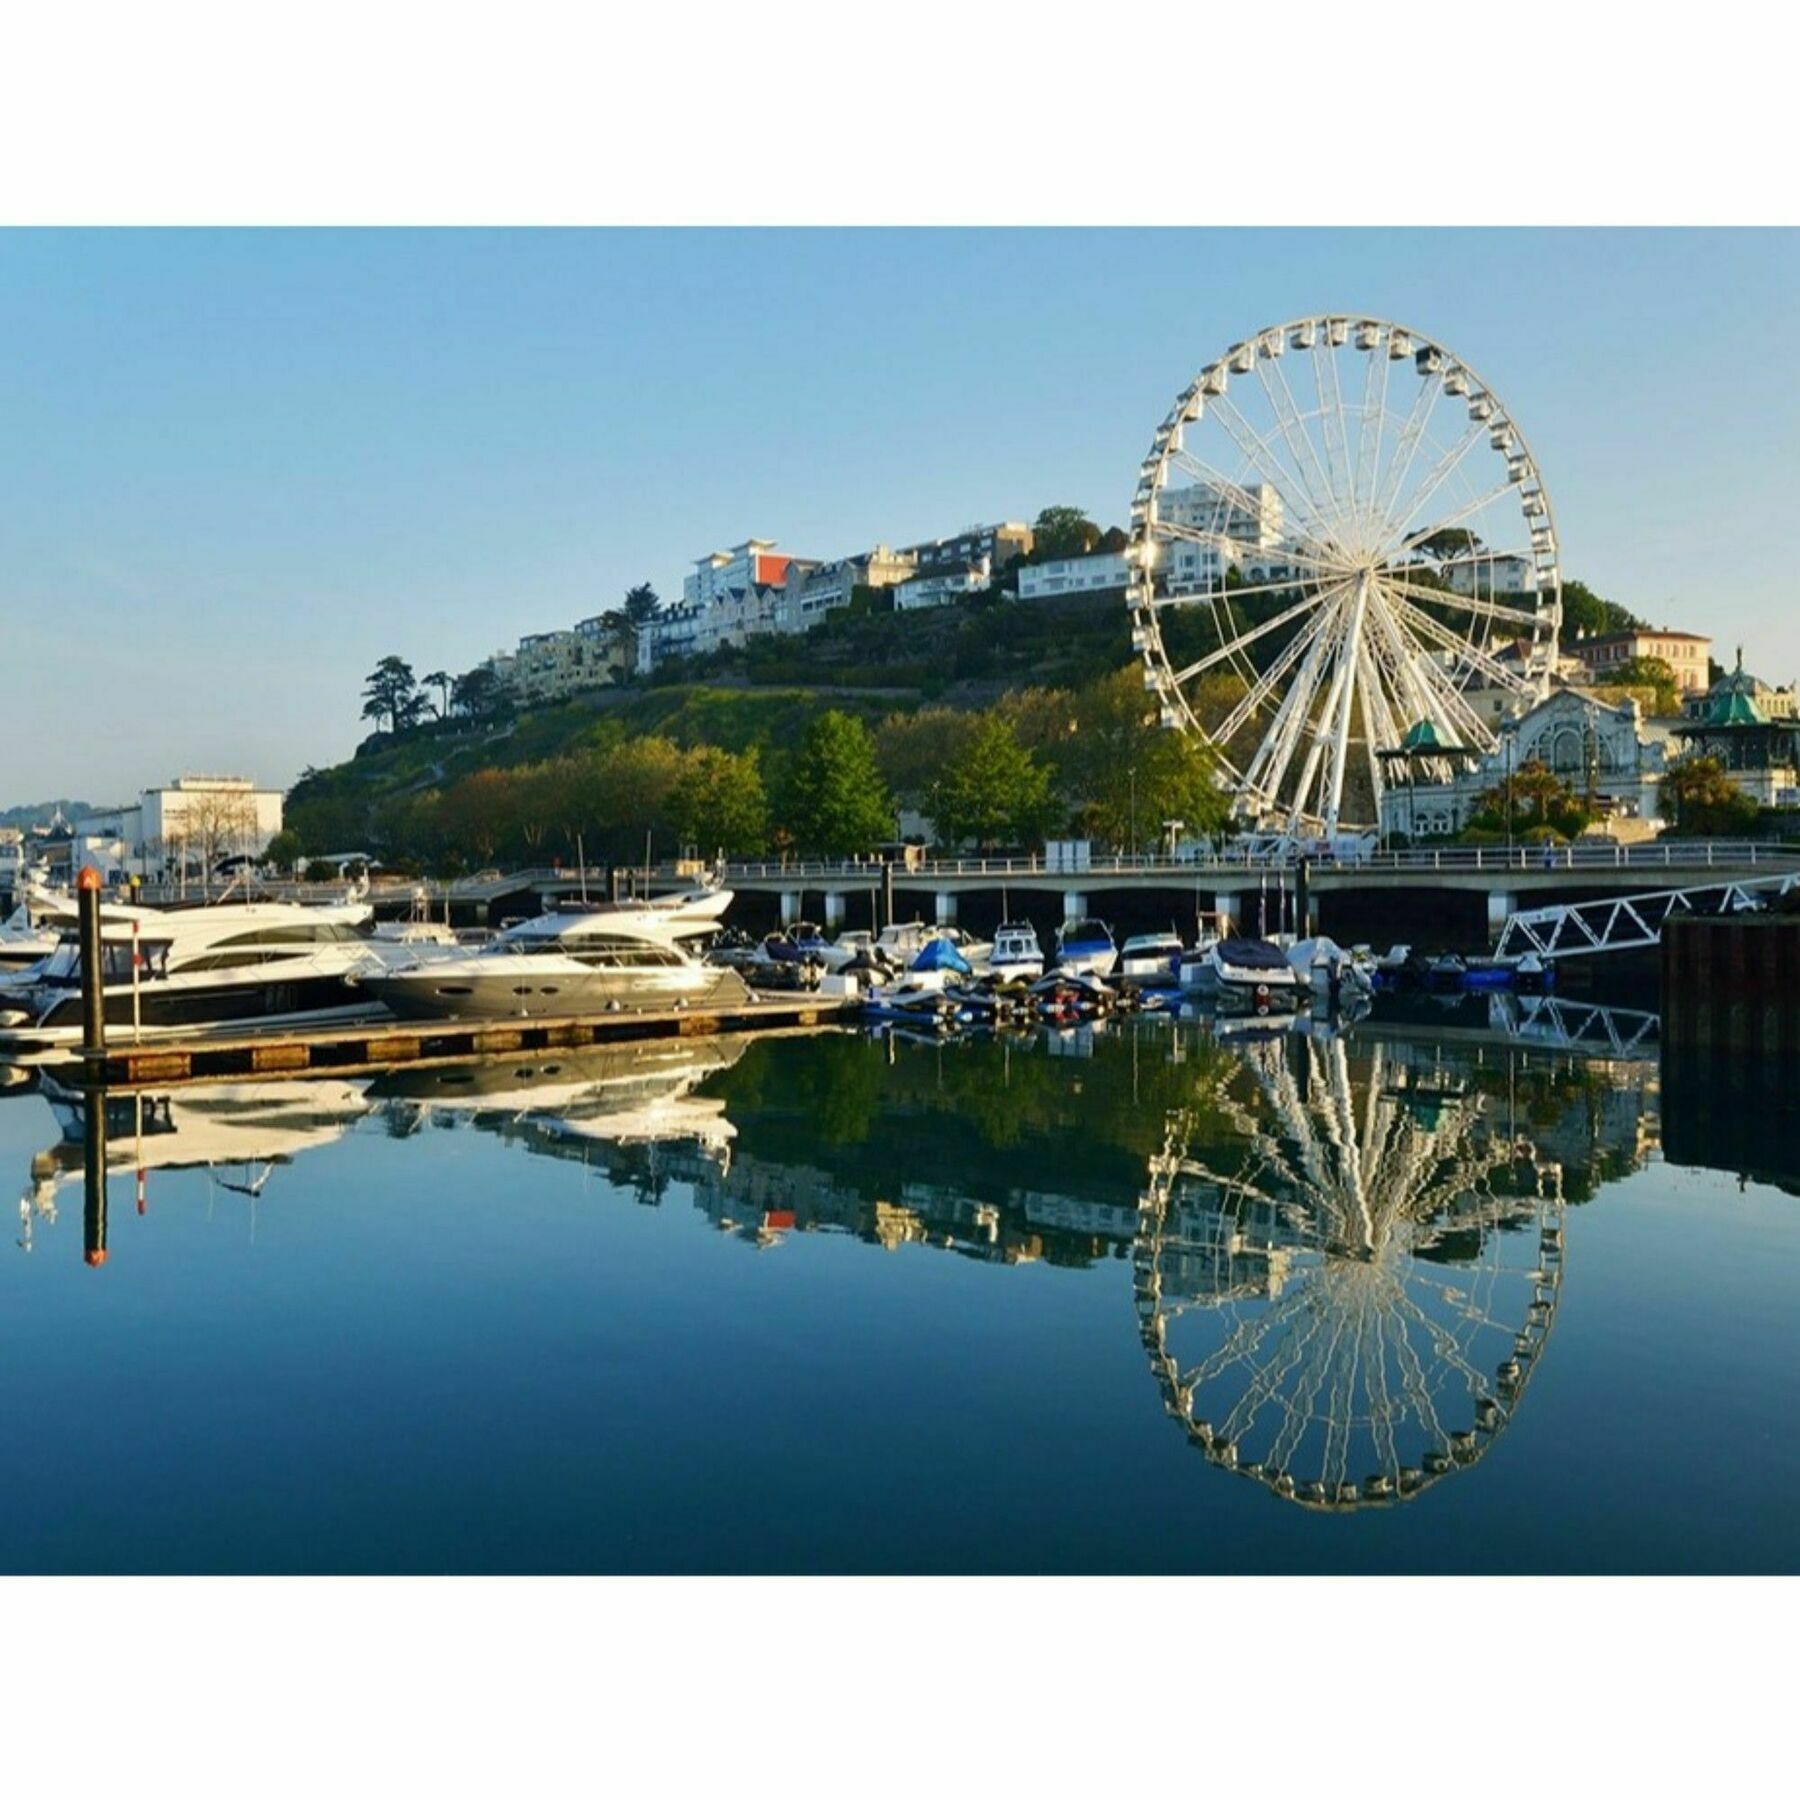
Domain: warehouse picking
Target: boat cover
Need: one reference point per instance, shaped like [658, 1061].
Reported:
[940, 953]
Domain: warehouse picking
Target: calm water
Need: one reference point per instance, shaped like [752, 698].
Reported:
[1142, 1299]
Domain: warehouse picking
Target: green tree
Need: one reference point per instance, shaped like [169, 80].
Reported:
[914, 748]
[719, 802]
[1700, 799]
[1062, 531]
[285, 849]
[995, 791]
[1533, 798]
[441, 681]
[1649, 672]
[391, 693]
[1123, 773]
[641, 603]
[1585, 614]
[478, 694]
[834, 801]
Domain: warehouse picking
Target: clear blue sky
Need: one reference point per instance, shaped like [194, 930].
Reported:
[239, 467]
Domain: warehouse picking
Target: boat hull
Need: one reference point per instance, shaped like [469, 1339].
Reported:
[443, 991]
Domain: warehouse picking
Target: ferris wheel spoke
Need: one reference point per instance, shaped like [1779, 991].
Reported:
[1368, 442]
[1472, 603]
[1257, 632]
[1268, 769]
[1391, 553]
[1416, 501]
[1200, 596]
[1441, 701]
[1406, 450]
[1477, 659]
[1256, 451]
[1295, 435]
[1331, 428]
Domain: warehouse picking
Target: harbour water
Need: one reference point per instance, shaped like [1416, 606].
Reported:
[1430, 1294]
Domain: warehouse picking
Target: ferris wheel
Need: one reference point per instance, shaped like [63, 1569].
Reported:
[1342, 551]
[1345, 1304]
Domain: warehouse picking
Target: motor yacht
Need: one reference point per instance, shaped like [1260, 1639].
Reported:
[1151, 960]
[558, 966]
[1086, 947]
[205, 969]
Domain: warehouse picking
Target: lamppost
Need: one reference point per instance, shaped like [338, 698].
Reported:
[1133, 773]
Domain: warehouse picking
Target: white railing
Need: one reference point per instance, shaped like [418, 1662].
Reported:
[1696, 853]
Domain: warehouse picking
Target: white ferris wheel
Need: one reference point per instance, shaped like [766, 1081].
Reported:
[1342, 546]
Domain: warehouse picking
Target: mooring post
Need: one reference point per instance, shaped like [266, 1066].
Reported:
[93, 974]
[93, 1217]
[1302, 898]
[887, 891]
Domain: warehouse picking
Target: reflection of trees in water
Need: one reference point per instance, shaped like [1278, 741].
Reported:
[1343, 1294]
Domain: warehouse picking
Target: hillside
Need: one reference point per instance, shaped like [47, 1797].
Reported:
[761, 697]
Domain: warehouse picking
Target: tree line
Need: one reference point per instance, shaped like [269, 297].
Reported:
[1037, 763]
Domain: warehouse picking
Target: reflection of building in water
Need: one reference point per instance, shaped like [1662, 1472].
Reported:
[1344, 1295]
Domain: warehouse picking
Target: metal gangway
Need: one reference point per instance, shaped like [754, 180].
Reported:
[1631, 921]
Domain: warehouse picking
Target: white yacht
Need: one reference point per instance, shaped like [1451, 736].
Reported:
[1017, 955]
[207, 968]
[557, 966]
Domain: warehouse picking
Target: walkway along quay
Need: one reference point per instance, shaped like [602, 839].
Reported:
[378, 1045]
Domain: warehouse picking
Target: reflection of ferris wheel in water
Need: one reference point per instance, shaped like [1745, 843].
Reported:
[1347, 1303]
[1340, 535]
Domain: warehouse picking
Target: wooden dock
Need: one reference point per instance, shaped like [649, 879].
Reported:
[377, 1045]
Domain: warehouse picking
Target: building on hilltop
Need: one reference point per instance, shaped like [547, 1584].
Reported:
[999, 546]
[1093, 573]
[831, 585]
[943, 584]
[1687, 653]
[1490, 575]
[1250, 516]
[751, 564]
[552, 665]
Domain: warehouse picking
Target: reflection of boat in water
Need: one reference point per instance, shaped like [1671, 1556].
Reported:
[240, 1132]
[623, 1094]
[1344, 1296]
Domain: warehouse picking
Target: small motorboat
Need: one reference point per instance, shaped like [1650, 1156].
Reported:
[1017, 955]
[1085, 947]
[1151, 960]
[1253, 975]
